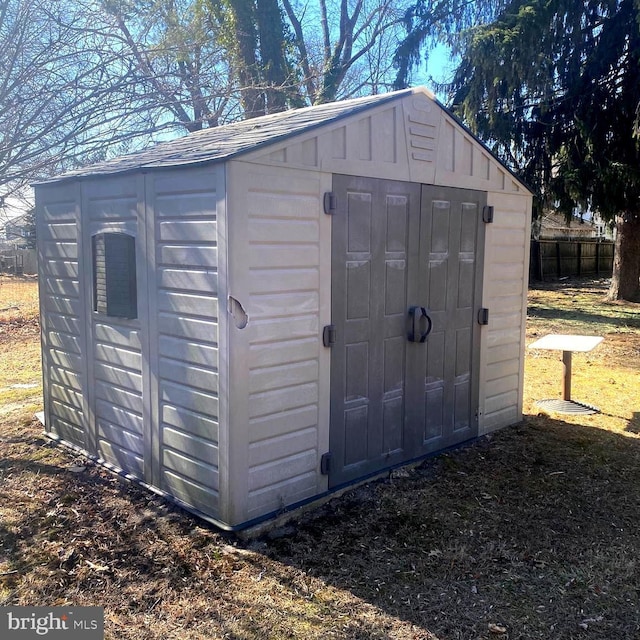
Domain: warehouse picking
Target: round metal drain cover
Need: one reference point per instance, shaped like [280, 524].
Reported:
[556, 405]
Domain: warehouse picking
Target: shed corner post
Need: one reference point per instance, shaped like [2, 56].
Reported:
[481, 307]
[528, 213]
[146, 224]
[40, 226]
[233, 343]
[85, 274]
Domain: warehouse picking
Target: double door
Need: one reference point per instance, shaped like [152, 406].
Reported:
[406, 289]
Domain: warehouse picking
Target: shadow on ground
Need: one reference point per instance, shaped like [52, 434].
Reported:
[634, 423]
[534, 530]
[580, 316]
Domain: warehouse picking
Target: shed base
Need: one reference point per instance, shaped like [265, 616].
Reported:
[262, 525]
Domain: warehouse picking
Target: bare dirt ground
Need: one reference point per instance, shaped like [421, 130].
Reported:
[529, 533]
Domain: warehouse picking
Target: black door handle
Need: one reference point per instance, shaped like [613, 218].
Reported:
[420, 324]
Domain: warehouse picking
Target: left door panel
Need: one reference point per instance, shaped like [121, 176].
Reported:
[375, 235]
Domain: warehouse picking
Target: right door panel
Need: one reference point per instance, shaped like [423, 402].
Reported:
[443, 372]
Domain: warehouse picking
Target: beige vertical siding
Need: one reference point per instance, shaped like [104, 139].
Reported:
[279, 279]
[61, 309]
[184, 334]
[372, 144]
[505, 295]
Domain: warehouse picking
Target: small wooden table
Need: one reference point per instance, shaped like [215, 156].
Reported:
[567, 344]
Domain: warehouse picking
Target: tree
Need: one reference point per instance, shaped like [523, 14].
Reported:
[65, 100]
[253, 32]
[29, 225]
[80, 81]
[38, 104]
[431, 22]
[287, 53]
[554, 85]
[351, 52]
[181, 70]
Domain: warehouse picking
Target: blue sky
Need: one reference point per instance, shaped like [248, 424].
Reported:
[440, 68]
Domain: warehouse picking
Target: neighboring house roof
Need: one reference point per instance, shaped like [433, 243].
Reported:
[557, 223]
[218, 144]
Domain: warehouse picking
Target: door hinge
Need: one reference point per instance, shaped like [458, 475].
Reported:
[325, 463]
[487, 213]
[330, 202]
[483, 316]
[329, 335]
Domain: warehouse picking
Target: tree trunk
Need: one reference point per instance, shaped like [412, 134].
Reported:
[625, 282]
[272, 43]
[252, 94]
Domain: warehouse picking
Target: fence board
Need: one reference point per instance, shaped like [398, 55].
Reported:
[552, 259]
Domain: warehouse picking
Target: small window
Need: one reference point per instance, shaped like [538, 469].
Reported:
[114, 275]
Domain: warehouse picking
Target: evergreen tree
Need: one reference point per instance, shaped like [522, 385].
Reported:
[431, 22]
[554, 86]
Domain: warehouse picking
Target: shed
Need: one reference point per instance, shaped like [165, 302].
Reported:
[250, 317]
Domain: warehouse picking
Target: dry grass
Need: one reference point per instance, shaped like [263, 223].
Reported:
[532, 531]
[609, 376]
[20, 373]
[18, 299]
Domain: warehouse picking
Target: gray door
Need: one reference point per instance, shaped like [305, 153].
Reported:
[401, 251]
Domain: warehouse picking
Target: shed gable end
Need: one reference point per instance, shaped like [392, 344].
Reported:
[413, 139]
[369, 143]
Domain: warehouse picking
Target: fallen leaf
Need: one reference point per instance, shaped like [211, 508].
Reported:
[497, 628]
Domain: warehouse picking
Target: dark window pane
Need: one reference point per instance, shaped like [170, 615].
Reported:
[114, 260]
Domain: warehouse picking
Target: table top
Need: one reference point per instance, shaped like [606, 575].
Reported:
[561, 342]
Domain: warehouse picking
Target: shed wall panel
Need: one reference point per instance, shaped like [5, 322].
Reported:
[505, 294]
[280, 278]
[184, 334]
[67, 396]
[115, 360]
[288, 255]
[64, 370]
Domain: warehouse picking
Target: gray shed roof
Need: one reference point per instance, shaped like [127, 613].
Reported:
[221, 143]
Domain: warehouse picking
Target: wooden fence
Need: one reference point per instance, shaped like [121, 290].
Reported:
[18, 262]
[551, 259]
